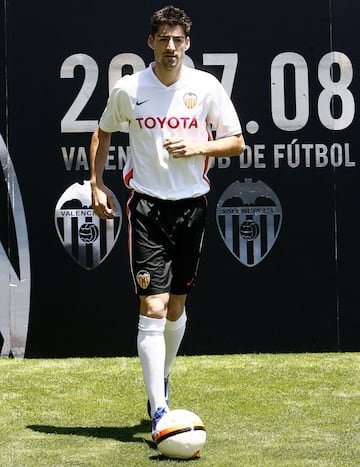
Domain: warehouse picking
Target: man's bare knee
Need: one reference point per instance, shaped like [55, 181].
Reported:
[175, 307]
[154, 306]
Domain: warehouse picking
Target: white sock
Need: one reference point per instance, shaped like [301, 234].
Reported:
[173, 334]
[151, 350]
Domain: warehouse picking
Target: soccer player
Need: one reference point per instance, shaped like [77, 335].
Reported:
[177, 118]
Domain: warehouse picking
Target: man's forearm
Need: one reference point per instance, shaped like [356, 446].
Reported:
[99, 150]
[225, 147]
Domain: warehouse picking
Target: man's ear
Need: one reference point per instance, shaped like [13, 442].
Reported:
[150, 41]
[187, 43]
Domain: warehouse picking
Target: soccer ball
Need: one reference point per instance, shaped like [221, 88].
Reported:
[180, 434]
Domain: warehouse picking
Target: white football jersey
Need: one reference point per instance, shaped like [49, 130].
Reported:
[191, 108]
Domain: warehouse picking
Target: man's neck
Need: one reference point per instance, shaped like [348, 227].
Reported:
[167, 77]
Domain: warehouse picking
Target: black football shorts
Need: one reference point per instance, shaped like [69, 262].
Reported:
[165, 240]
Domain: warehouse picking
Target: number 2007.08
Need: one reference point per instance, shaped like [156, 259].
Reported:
[331, 87]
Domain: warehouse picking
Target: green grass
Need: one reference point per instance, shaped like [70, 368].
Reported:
[259, 410]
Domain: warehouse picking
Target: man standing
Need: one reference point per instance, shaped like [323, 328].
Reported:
[171, 112]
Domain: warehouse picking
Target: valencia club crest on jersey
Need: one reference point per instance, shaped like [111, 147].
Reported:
[143, 279]
[190, 100]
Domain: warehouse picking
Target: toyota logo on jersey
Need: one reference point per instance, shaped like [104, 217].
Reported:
[249, 217]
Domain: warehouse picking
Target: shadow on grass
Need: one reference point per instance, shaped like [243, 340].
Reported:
[126, 434]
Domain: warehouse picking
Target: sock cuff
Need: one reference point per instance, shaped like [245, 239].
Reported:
[153, 325]
[174, 325]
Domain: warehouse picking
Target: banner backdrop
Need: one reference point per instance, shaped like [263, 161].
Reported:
[346, 189]
[279, 265]
[2, 71]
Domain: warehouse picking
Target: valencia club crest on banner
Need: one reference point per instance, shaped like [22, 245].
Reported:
[249, 217]
[87, 238]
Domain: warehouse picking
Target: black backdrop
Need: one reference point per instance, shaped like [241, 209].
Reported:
[303, 295]
[2, 71]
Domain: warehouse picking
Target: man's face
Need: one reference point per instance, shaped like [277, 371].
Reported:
[169, 45]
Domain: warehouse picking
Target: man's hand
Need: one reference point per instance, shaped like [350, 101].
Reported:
[178, 147]
[102, 202]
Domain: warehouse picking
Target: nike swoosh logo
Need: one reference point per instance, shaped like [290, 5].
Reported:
[141, 102]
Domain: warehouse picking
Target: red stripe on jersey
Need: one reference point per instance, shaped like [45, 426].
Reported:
[206, 164]
[128, 215]
[206, 170]
[128, 177]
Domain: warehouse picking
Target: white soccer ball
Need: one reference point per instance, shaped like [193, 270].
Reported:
[180, 434]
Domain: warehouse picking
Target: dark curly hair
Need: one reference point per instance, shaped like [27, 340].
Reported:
[172, 16]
